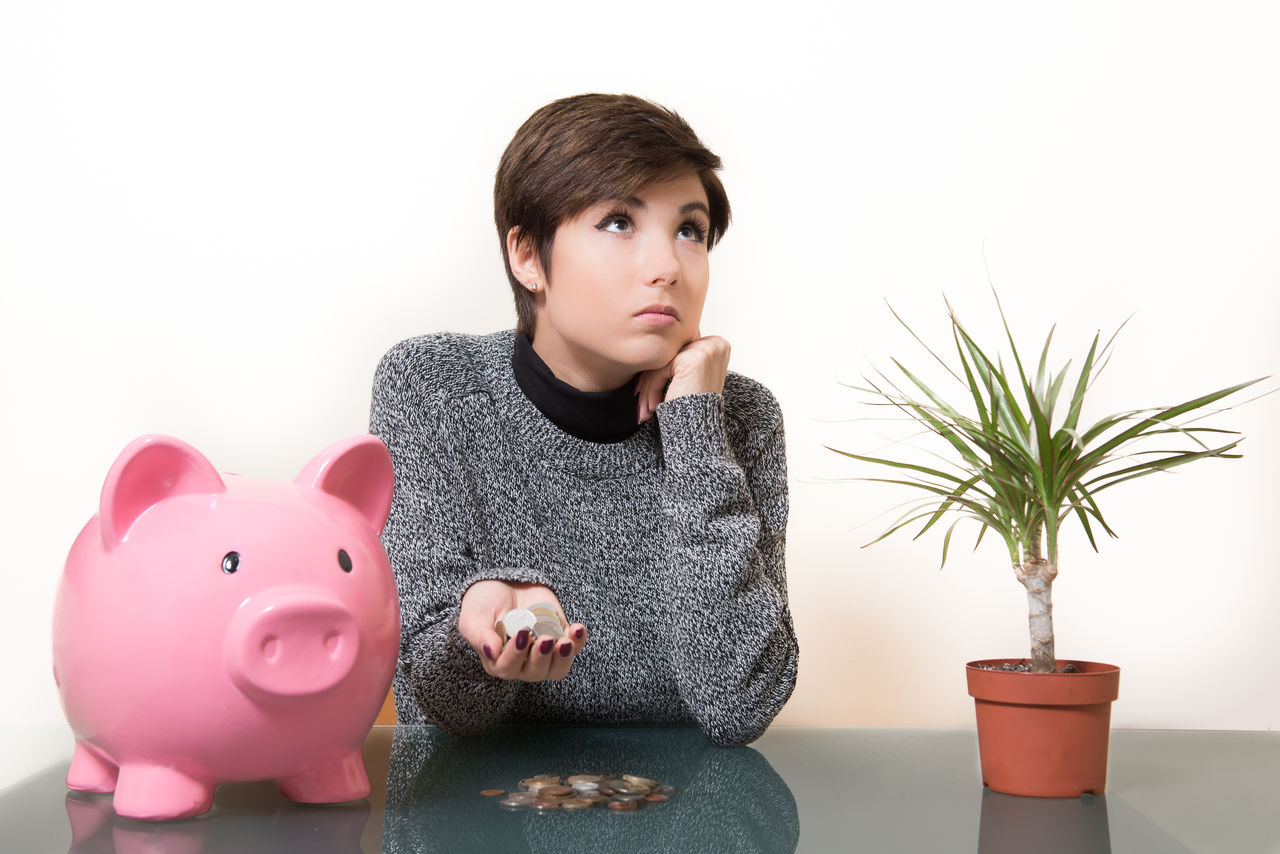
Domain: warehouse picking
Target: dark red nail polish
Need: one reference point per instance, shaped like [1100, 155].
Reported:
[579, 632]
[488, 653]
[546, 645]
[522, 639]
[566, 650]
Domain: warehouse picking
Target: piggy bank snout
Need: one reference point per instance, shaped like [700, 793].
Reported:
[291, 643]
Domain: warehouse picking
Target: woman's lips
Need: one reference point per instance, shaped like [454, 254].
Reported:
[658, 315]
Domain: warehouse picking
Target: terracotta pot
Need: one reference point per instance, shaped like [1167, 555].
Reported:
[1044, 735]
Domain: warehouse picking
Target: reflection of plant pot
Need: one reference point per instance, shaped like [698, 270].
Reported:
[1044, 734]
[1010, 825]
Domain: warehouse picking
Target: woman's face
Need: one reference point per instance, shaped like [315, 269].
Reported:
[628, 281]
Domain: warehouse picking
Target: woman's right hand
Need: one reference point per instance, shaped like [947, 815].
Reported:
[524, 657]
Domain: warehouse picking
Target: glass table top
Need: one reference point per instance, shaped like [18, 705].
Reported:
[796, 789]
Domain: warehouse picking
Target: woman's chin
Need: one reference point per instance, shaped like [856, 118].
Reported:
[643, 353]
[654, 360]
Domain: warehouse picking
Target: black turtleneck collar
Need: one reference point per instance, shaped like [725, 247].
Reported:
[597, 416]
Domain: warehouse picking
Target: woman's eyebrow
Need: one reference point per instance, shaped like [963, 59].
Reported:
[638, 204]
[627, 202]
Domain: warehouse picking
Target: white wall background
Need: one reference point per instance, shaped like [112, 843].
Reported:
[215, 217]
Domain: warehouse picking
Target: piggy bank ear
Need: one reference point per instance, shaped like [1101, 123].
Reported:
[149, 470]
[357, 470]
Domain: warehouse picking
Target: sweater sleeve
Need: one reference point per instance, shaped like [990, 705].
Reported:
[431, 541]
[734, 650]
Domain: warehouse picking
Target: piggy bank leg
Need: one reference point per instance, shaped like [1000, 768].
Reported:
[90, 820]
[154, 792]
[344, 780]
[91, 771]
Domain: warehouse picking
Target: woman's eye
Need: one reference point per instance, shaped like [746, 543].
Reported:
[615, 224]
[692, 231]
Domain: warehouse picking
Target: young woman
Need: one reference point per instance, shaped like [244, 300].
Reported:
[601, 457]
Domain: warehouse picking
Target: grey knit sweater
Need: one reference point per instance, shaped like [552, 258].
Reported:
[667, 545]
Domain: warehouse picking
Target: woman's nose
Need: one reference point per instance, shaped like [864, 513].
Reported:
[661, 266]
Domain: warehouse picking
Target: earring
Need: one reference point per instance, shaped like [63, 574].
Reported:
[533, 286]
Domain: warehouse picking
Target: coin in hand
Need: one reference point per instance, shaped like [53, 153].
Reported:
[541, 619]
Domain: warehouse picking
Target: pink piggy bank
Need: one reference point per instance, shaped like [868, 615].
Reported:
[214, 628]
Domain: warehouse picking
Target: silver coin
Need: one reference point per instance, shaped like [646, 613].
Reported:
[517, 619]
[631, 789]
[548, 629]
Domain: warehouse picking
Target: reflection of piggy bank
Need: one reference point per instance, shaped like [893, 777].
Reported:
[212, 629]
[244, 820]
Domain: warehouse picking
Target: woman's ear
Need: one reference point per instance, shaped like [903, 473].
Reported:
[522, 255]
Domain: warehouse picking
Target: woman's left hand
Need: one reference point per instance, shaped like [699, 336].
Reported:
[700, 366]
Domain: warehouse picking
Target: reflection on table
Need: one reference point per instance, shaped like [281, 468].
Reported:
[1013, 825]
[887, 791]
[247, 819]
[726, 799]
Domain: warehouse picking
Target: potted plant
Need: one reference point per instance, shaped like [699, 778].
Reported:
[1023, 466]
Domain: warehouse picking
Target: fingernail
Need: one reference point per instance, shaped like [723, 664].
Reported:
[566, 650]
[522, 639]
[546, 645]
[488, 653]
[579, 632]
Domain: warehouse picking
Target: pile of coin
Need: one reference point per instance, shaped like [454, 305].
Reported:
[541, 619]
[553, 793]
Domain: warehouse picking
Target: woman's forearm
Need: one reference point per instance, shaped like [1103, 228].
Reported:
[735, 650]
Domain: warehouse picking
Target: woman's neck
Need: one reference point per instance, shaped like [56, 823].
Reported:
[582, 370]
[598, 416]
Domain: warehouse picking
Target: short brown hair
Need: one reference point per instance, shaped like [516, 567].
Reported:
[577, 152]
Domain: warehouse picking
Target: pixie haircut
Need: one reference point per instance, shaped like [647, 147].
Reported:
[580, 151]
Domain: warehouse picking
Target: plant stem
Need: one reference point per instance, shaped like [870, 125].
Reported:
[1037, 575]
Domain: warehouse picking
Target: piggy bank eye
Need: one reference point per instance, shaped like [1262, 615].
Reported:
[344, 560]
[231, 562]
